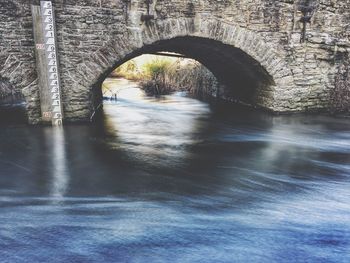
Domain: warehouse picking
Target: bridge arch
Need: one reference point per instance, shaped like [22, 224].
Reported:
[243, 54]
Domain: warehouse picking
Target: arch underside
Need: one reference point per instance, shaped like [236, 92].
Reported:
[239, 73]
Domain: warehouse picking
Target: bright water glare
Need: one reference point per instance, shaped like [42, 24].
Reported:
[175, 179]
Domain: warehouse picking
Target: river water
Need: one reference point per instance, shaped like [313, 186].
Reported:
[175, 179]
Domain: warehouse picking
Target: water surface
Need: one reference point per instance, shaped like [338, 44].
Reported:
[175, 179]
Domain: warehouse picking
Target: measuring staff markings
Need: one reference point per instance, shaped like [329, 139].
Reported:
[51, 55]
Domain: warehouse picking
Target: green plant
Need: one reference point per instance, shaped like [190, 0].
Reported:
[156, 68]
[156, 72]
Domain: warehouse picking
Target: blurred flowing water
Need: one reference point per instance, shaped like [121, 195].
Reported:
[175, 179]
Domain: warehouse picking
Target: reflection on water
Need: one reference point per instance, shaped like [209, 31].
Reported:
[154, 130]
[60, 175]
[174, 179]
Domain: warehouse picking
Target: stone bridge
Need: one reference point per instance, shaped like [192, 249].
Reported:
[282, 55]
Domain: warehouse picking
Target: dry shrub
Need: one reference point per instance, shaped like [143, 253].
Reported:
[156, 81]
[128, 70]
[192, 77]
[162, 75]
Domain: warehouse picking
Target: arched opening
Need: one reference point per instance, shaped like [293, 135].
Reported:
[144, 128]
[249, 69]
[240, 77]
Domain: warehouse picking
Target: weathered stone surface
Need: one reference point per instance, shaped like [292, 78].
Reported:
[340, 94]
[265, 35]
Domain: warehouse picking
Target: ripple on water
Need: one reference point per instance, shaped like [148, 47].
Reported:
[174, 179]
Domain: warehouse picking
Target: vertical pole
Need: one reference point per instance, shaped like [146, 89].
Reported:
[47, 62]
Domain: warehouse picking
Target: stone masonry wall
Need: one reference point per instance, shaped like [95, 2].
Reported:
[17, 60]
[86, 26]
